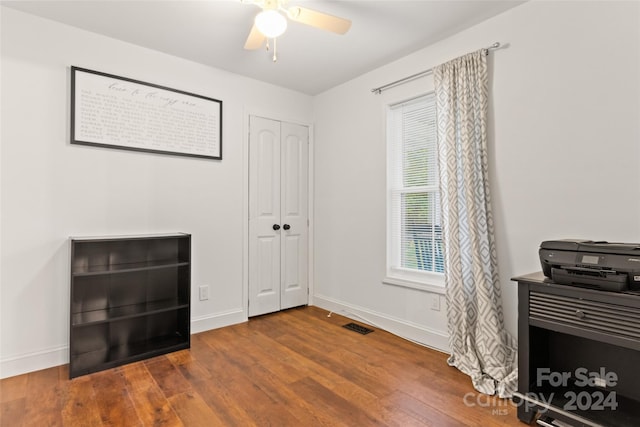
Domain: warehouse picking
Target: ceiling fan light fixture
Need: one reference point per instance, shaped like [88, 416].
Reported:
[271, 23]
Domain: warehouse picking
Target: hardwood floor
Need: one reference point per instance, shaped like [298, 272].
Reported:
[293, 368]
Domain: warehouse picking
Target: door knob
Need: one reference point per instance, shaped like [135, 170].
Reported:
[276, 227]
[286, 226]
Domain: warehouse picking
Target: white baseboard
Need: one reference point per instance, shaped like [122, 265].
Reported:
[48, 358]
[35, 361]
[420, 334]
[217, 320]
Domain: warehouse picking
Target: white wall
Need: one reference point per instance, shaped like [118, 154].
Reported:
[564, 153]
[52, 190]
[564, 145]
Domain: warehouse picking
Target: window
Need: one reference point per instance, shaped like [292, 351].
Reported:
[414, 235]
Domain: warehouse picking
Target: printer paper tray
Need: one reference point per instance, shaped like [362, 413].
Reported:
[611, 282]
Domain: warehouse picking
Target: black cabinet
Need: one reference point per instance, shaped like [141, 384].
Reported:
[578, 354]
[130, 299]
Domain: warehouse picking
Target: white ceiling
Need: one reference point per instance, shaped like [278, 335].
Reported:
[310, 60]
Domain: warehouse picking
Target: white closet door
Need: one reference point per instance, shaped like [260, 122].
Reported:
[294, 215]
[278, 214]
[264, 216]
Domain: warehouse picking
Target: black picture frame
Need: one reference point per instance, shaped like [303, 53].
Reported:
[118, 112]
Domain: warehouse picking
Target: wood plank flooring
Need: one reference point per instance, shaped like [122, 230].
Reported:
[293, 368]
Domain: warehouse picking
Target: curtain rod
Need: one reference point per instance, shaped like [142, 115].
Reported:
[378, 90]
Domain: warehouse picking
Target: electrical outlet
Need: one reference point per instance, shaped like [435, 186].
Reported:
[204, 292]
[435, 302]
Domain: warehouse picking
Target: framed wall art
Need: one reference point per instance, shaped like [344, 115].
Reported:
[118, 112]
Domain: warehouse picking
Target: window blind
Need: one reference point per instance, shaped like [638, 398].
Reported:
[414, 234]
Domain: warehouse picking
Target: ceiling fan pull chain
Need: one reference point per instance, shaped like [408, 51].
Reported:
[275, 48]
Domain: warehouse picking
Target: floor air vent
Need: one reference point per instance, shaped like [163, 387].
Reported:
[357, 328]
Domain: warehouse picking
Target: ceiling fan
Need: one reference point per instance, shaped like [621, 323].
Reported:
[271, 22]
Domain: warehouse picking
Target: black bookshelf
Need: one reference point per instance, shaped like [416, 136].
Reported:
[130, 299]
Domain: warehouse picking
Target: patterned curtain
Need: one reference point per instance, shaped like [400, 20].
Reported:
[480, 345]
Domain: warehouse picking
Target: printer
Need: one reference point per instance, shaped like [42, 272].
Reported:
[599, 265]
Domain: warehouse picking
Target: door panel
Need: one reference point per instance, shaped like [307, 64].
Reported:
[264, 212]
[268, 173]
[278, 186]
[268, 260]
[291, 169]
[294, 175]
[291, 279]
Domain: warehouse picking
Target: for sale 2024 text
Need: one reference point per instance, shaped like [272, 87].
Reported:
[587, 388]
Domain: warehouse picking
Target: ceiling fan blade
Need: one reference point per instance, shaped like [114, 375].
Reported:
[320, 20]
[255, 39]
